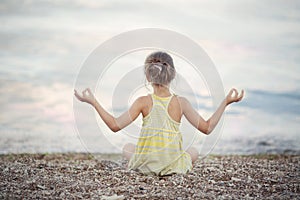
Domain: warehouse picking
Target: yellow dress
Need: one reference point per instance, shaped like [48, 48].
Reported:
[159, 148]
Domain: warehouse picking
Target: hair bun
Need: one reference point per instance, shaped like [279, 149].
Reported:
[158, 66]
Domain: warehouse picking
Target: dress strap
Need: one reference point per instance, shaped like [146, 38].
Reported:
[165, 101]
[169, 100]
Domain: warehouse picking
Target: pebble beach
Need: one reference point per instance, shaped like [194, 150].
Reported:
[104, 176]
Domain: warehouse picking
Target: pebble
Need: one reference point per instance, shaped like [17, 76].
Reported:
[77, 176]
[235, 179]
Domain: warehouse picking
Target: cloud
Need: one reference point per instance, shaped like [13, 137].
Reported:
[273, 103]
[254, 44]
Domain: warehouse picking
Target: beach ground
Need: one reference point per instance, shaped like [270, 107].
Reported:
[104, 176]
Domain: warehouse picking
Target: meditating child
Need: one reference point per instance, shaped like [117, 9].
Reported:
[159, 148]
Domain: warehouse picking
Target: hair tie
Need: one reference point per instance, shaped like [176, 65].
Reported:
[158, 67]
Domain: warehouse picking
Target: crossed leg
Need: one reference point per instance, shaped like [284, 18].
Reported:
[193, 153]
[129, 148]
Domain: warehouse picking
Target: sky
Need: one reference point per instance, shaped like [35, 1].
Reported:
[254, 45]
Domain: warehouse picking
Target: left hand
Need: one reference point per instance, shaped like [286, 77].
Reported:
[87, 96]
[233, 96]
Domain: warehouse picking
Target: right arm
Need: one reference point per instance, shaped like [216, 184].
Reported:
[114, 123]
[207, 126]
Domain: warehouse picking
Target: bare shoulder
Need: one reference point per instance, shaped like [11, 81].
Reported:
[143, 100]
[182, 100]
[144, 104]
[184, 103]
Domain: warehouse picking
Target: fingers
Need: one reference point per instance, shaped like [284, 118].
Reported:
[241, 95]
[77, 95]
[235, 93]
[89, 90]
[86, 95]
[230, 93]
[238, 97]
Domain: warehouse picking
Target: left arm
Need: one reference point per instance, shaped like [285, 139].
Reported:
[115, 124]
[233, 96]
[207, 126]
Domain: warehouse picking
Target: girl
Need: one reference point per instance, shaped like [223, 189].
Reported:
[159, 149]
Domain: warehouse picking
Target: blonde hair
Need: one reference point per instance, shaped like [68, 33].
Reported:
[159, 68]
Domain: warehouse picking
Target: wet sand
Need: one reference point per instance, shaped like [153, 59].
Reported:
[104, 176]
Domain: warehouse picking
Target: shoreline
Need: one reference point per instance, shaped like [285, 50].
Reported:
[104, 176]
[117, 155]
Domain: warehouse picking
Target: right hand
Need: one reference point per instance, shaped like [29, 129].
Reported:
[233, 96]
[87, 96]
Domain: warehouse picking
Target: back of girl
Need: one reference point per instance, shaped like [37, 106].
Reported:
[159, 148]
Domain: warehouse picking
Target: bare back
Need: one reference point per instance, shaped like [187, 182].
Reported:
[174, 109]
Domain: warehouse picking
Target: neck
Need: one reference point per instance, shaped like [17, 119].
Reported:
[161, 91]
